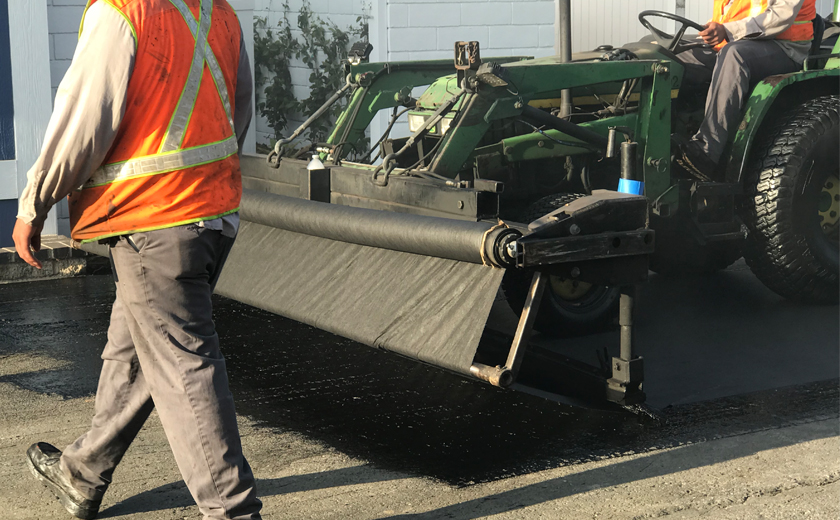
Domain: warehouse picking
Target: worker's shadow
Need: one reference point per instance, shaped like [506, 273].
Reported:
[625, 471]
[176, 495]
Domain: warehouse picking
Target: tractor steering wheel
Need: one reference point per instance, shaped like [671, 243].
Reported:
[674, 43]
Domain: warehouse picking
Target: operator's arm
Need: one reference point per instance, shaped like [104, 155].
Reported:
[243, 111]
[776, 19]
[89, 107]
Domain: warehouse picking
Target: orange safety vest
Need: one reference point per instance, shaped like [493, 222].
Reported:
[801, 30]
[174, 160]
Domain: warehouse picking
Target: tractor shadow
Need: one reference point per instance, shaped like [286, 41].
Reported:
[724, 357]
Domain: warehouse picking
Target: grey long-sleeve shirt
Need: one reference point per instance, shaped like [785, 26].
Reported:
[89, 109]
[776, 19]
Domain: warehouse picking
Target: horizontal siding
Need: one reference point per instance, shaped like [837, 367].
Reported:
[698, 10]
[825, 7]
[428, 29]
[613, 22]
[64, 17]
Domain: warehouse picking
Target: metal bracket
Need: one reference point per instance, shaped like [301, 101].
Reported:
[506, 375]
[625, 386]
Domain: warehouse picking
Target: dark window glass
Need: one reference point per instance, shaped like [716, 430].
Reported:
[7, 105]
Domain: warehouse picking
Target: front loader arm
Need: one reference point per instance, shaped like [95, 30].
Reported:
[545, 81]
[381, 86]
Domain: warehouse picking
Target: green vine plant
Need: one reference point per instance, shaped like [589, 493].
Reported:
[322, 47]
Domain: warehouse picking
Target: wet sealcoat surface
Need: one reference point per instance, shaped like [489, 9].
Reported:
[401, 415]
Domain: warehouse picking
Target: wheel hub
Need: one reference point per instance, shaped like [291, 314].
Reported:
[569, 290]
[829, 204]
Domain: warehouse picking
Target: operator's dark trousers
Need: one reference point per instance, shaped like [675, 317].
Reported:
[163, 352]
[733, 72]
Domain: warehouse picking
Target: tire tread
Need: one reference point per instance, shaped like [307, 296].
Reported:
[776, 254]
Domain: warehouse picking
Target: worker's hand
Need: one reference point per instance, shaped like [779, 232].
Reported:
[27, 239]
[713, 34]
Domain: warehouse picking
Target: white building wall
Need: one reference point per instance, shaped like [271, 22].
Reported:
[698, 10]
[613, 22]
[427, 29]
[64, 18]
[825, 7]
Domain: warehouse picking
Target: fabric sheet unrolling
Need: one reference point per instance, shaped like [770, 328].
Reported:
[427, 308]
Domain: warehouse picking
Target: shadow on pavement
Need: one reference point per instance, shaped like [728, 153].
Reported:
[684, 458]
[404, 416]
[176, 495]
[655, 465]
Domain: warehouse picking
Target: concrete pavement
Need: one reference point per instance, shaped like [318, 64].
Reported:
[785, 473]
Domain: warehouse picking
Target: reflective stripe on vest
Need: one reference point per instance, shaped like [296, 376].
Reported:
[164, 162]
[212, 63]
[172, 157]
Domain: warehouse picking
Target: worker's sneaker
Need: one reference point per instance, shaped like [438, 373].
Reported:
[43, 459]
[690, 156]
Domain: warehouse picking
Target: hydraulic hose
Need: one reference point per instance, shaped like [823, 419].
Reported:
[465, 241]
[578, 132]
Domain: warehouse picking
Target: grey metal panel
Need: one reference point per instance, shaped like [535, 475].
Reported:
[410, 193]
[615, 22]
[353, 187]
[255, 166]
[277, 188]
[430, 309]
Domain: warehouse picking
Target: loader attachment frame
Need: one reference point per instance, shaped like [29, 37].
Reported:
[341, 228]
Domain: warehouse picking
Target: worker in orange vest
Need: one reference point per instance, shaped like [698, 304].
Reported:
[748, 41]
[145, 138]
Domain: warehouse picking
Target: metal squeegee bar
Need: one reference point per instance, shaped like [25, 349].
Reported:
[473, 242]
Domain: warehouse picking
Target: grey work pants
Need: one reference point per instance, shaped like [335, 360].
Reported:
[733, 72]
[163, 352]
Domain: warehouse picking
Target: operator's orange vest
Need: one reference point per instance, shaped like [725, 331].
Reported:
[801, 30]
[174, 160]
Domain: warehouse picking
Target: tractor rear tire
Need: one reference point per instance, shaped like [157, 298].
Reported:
[792, 204]
[568, 308]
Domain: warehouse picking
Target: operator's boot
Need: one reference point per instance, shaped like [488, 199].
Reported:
[689, 155]
[43, 460]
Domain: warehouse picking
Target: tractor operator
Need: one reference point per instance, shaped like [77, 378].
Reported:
[750, 40]
[145, 137]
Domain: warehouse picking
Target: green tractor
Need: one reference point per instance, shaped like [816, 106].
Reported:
[509, 181]
[500, 125]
